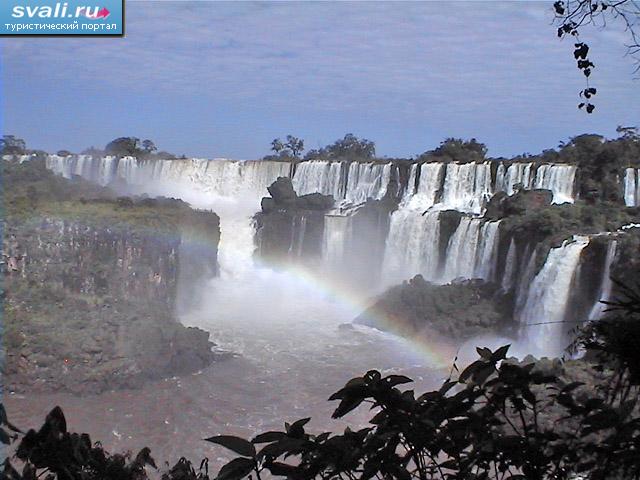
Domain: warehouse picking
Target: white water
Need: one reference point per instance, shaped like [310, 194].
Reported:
[412, 246]
[508, 279]
[559, 179]
[467, 187]
[515, 174]
[632, 187]
[337, 233]
[350, 182]
[541, 318]
[606, 285]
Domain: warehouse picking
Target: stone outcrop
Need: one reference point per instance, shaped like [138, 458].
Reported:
[458, 310]
[291, 226]
[90, 286]
[502, 205]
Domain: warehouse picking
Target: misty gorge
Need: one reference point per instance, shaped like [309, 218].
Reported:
[160, 300]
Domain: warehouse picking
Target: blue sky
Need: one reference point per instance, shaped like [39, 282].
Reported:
[222, 79]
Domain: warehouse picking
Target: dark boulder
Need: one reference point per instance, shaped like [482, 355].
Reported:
[502, 205]
[459, 310]
[282, 191]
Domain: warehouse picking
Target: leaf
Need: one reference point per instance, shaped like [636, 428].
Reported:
[55, 421]
[296, 429]
[235, 444]
[236, 469]
[4, 437]
[501, 353]
[470, 370]
[280, 469]
[268, 437]
[484, 352]
[393, 380]
[346, 406]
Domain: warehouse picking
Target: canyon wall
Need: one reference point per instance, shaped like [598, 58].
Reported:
[91, 285]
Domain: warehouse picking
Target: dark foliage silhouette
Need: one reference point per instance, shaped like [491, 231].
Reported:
[572, 16]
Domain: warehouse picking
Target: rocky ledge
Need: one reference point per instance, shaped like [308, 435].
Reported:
[90, 286]
[291, 226]
[459, 310]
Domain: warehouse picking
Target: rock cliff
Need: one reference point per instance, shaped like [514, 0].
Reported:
[90, 286]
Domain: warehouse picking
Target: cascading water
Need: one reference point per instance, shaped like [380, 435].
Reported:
[351, 182]
[412, 246]
[336, 235]
[543, 313]
[559, 179]
[509, 267]
[632, 187]
[606, 284]
[515, 174]
[367, 180]
[472, 250]
[467, 187]
[413, 243]
[319, 177]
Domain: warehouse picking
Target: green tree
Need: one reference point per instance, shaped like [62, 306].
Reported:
[349, 147]
[459, 150]
[295, 145]
[148, 146]
[277, 146]
[123, 146]
[12, 145]
[291, 148]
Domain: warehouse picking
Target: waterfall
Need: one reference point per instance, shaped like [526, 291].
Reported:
[604, 293]
[351, 182]
[411, 183]
[424, 196]
[218, 177]
[559, 179]
[367, 180]
[487, 254]
[467, 187]
[472, 250]
[509, 267]
[462, 249]
[336, 235]
[632, 187]
[298, 231]
[543, 312]
[517, 173]
[412, 246]
[318, 176]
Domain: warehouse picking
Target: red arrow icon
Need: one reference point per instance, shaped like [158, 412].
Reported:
[103, 13]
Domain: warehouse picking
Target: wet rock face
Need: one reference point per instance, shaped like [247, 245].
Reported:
[291, 227]
[459, 310]
[502, 205]
[91, 303]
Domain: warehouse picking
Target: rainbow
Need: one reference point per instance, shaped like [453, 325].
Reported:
[435, 351]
